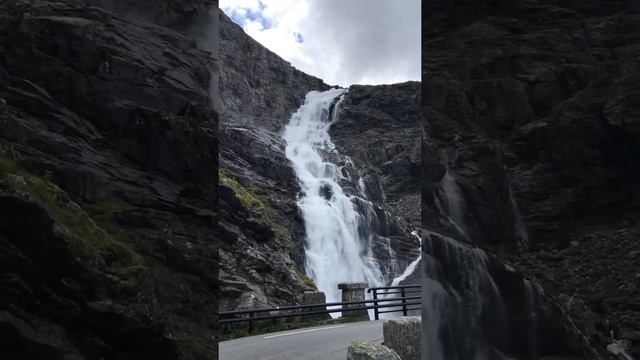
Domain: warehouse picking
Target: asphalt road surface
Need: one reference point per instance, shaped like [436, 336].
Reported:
[322, 343]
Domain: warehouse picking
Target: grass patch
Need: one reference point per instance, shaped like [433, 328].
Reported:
[283, 236]
[247, 196]
[607, 229]
[103, 212]
[85, 238]
[307, 280]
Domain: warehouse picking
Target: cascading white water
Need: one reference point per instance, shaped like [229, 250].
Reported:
[433, 300]
[334, 248]
[520, 230]
[458, 290]
[532, 296]
[412, 266]
[362, 188]
[454, 202]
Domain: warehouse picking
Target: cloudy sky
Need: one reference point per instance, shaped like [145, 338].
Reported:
[343, 42]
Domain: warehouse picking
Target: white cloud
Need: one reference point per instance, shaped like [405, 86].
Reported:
[344, 41]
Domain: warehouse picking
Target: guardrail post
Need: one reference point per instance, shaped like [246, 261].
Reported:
[353, 292]
[251, 316]
[404, 302]
[315, 297]
[375, 303]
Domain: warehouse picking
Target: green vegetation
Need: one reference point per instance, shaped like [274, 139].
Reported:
[259, 205]
[125, 277]
[307, 280]
[103, 212]
[283, 236]
[85, 238]
[374, 350]
[605, 229]
[247, 196]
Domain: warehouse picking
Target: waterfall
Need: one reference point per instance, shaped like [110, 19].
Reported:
[206, 32]
[433, 300]
[454, 210]
[361, 187]
[338, 246]
[520, 230]
[460, 297]
[532, 297]
[412, 266]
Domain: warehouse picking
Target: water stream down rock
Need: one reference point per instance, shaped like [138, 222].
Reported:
[336, 245]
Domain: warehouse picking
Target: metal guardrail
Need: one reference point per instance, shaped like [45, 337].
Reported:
[403, 290]
[396, 304]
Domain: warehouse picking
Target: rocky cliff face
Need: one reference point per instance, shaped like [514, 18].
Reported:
[531, 114]
[257, 87]
[378, 129]
[108, 151]
[262, 257]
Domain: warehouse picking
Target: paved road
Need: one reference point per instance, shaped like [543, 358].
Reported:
[322, 343]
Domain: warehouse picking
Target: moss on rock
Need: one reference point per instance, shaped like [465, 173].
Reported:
[88, 241]
[247, 197]
[362, 350]
[307, 280]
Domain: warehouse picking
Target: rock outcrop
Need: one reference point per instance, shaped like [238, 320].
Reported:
[403, 336]
[378, 129]
[262, 254]
[529, 134]
[257, 87]
[368, 351]
[108, 151]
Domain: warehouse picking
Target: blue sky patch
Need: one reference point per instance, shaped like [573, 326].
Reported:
[252, 16]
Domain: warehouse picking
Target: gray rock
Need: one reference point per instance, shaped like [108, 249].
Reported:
[263, 246]
[378, 127]
[106, 101]
[403, 336]
[369, 351]
[258, 88]
[517, 108]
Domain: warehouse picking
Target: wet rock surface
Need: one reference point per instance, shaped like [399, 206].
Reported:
[378, 129]
[595, 280]
[530, 125]
[108, 150]
[262, 254]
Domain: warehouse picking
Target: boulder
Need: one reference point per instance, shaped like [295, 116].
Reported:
[403, 336]
[369, 351]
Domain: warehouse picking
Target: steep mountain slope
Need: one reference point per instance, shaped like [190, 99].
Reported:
[378, 130]
[531, 113]
[108, 151]
[262, 232]
[262, 259]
